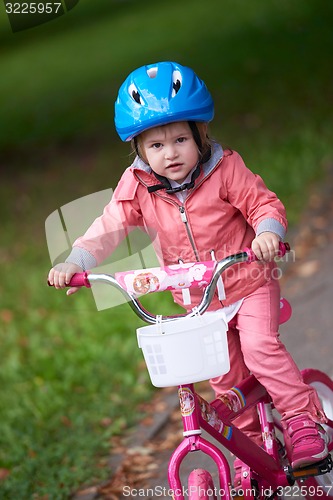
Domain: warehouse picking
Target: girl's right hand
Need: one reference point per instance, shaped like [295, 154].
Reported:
[61, 274]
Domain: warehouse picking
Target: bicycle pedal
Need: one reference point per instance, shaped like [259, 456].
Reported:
[316, 469]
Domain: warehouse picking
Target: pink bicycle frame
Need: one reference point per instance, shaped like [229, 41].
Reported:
[216, 418]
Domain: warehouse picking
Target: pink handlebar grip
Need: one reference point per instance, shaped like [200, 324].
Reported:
[283, 249]
[80, 279]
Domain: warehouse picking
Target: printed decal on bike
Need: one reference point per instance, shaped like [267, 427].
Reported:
[186, 399]
[174, 277]
[268, 438]
[234, 399]
[211, 416]
[145, 283]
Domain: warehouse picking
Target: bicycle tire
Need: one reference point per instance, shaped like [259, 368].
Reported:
[201, 485]
[320, 487]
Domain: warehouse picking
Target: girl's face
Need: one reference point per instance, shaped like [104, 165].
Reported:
[171, 150]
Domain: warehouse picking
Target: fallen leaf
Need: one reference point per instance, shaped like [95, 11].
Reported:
[308, 268]
[106, 422]
[4, 473]
[87, 491]
[66, 421]
[6, 315]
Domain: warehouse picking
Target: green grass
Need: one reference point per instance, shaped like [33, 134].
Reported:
[70, 378]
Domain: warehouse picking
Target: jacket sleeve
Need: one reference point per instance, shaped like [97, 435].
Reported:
[246, 191]
[121, 215]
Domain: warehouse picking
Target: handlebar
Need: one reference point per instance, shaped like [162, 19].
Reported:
[87, 279]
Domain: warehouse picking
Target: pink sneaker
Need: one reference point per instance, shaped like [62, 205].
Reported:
[306, 441]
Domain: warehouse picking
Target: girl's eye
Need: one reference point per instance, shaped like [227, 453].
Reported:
[156, 145]
[181, 139]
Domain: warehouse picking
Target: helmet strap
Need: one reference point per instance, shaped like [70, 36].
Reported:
[136, 146]
[165, 183]
[204, 155]
[196, 134]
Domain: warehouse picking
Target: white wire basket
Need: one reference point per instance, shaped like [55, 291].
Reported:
[187, 350]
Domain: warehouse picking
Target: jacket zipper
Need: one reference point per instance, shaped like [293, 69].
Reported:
[188, 230]
[184, 216]
[183, 211]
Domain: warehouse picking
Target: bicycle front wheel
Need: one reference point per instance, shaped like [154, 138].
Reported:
[201, 486]
[320, 487]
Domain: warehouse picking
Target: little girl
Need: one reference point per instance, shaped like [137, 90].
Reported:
[204, 203]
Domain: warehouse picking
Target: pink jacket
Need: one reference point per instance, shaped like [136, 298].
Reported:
[226, 208]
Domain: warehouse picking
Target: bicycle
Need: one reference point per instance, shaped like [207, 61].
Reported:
[266, 473]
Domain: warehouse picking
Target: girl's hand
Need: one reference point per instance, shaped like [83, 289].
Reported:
[266, 246]
[61, 274]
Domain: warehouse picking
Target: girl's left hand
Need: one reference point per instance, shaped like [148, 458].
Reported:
[266, 246]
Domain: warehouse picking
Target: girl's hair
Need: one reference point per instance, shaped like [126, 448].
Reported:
[199, 132]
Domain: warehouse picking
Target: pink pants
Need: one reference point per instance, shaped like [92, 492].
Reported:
[255, 347]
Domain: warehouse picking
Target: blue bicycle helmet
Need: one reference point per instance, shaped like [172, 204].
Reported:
[158, 94]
